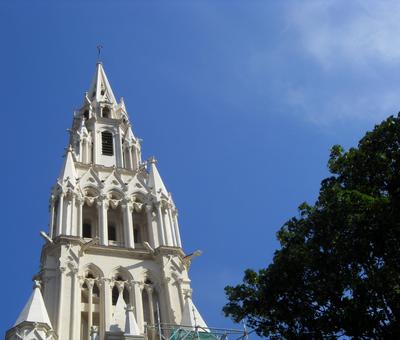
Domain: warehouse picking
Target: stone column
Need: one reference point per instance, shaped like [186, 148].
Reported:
[138, 305]
[160, 224]
[118, 149]
[60, 214]
[169, 302]
[94, 149]
[180, 292]
[81, 150]
[101, 329]
[87, 151]
[51, 224]
[133, 157]
[128, 225]
[167, 228]
[153, 234]
[174, 241]
[74, 330]
[108, 286]
[82, 146]
[72, 227]
[103, 224]
[176, 226]
[79, 231]
[151, 305]
[89, 284]
[60, 300]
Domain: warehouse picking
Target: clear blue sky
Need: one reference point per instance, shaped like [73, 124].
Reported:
[240, 102]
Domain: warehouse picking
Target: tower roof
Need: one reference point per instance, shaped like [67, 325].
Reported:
[68, 172]
[131, 327]
[100, 89]
[119, 317]
[155, 181]
[35, 309]
[191, 317]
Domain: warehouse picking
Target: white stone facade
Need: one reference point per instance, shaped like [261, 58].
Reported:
[113, 261]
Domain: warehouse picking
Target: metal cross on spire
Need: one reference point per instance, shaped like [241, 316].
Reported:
[99, 47]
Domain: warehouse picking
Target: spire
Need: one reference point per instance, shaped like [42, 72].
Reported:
[191, 317]
[35, 309]
[100, 89]
[155, 181]
[118, 320]
[131, 327]
[68, 173]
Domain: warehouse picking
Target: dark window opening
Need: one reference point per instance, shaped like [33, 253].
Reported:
[107, 143]
[106, 112]
[125, 295]
[87, 230]
[148, 282]
[86, 114]
[102, 92]
[96, 291]
[112, 233]
[136, 236]
[115, 295]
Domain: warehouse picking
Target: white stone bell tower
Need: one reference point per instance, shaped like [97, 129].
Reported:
[113, 260]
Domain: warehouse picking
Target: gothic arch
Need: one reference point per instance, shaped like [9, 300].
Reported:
[148, 275]
[121, 277]
[119, 270]
[95, 270]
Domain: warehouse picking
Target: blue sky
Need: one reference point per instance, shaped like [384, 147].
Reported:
[240, 102]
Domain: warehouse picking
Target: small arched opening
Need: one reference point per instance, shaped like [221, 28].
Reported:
[106, 112]
[115, 220]
[140, 228]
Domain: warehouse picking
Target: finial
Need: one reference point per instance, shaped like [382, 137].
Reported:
[152, 160]
[36, 284]
[99, 47]
[129, 308]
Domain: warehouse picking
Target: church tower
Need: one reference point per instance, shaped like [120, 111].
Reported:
[112, 266]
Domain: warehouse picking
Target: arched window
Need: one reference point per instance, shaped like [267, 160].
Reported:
[106, 112]
[107, 143]
[140, 228]
[89, 218]
[120, 277]
[115, 223]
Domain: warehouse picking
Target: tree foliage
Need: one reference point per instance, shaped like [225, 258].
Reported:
[337, 272]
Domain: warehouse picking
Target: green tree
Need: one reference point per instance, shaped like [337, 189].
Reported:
[337, 272]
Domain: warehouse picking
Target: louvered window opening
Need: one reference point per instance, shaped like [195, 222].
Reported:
[107, 143]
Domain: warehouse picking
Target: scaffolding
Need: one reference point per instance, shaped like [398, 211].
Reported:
[164, 331]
